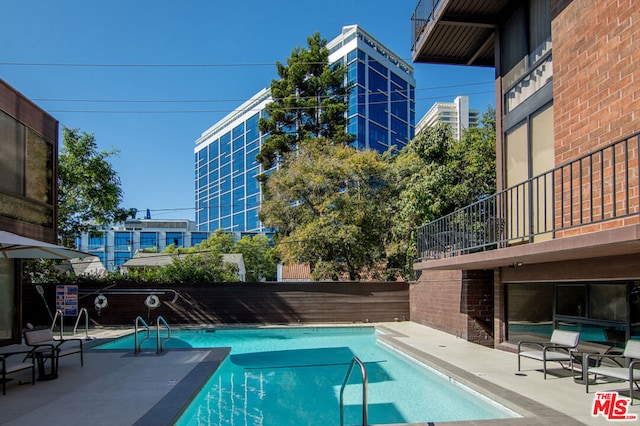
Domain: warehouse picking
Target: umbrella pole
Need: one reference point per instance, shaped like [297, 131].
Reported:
[41, 292]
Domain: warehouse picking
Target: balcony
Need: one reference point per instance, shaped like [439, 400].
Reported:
[588, 207]
[457, 32]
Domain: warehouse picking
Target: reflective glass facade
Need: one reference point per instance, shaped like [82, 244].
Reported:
[227, 192]
[381, 114]
[381, 111]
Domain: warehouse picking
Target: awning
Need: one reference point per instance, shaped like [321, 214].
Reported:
[14, 246]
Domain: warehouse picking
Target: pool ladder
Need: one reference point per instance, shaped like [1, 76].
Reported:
[363, 371]
[137, 346]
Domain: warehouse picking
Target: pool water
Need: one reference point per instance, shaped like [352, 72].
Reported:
[292, 376]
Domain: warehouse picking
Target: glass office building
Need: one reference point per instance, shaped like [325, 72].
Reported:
[381, 114]
[382, 103]
[116, 245]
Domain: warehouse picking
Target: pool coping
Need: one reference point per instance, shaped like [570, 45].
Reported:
[169, 409]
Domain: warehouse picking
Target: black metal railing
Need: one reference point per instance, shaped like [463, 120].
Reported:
[598, 187]
[424, 12]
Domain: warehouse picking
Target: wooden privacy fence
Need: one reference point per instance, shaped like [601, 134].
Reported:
[230, 303]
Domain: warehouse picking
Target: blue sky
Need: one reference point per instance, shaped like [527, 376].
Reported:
[239, 40]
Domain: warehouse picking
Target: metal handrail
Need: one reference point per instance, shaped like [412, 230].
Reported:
[86, 323]
[597, 187]
[137, 347]
[60, 314]
[160, 344]
[422, 15]
[365, 380]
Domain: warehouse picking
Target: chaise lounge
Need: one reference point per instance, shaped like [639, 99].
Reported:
[625, 370]
[558, 349]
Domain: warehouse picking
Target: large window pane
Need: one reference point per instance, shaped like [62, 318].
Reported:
[539, 22]
[571, 300]
[529, 310]
[517, 165]
[12, 135]
[39, 168]
[542, 160]
[7, 299]
[148, 240]
[122, 240]
[174, 238]
[608, 302]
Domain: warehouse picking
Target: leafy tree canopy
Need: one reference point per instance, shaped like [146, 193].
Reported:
[436, 175]
[206, 267]
[309, 100]
[89, 190]
[348, 212]
[328, 204]
[257, 253]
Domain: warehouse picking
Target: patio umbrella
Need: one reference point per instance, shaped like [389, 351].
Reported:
[14, 246]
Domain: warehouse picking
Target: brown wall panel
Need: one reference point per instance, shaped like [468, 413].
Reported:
[246, 303]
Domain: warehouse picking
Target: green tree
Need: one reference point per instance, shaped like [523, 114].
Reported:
[220, 241]
[473, 162]
[328, 204]
[309, 100]
[259, 257]
[89, 189]
[206, 267]
[435, 175]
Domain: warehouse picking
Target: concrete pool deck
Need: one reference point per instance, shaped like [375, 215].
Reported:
[120, 388]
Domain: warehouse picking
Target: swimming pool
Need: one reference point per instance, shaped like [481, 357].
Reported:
[292, 376]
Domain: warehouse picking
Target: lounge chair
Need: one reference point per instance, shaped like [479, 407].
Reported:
[42, 339]
[622, 368]
[14, 367]
[557, 349]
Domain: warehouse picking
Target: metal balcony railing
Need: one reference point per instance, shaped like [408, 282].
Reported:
[600, 186]
[423, 13]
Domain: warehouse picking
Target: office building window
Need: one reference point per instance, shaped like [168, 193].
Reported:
[225, 222]
[225, 204]
[253, 223]
[238, 221]
[225, 147]
[238, 131]
[122, 241]
[214, 208]
[148, 240]
[96, 242]
[378, 138]
[120, 257]
[198, 237]
[174, 238]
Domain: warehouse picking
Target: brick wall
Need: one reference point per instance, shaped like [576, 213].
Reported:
[458, 302]
[596, 76]
[596, 102]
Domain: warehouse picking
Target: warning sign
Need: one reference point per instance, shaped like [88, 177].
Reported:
[67, 299]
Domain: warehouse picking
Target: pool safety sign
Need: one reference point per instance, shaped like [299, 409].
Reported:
[67, 299]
